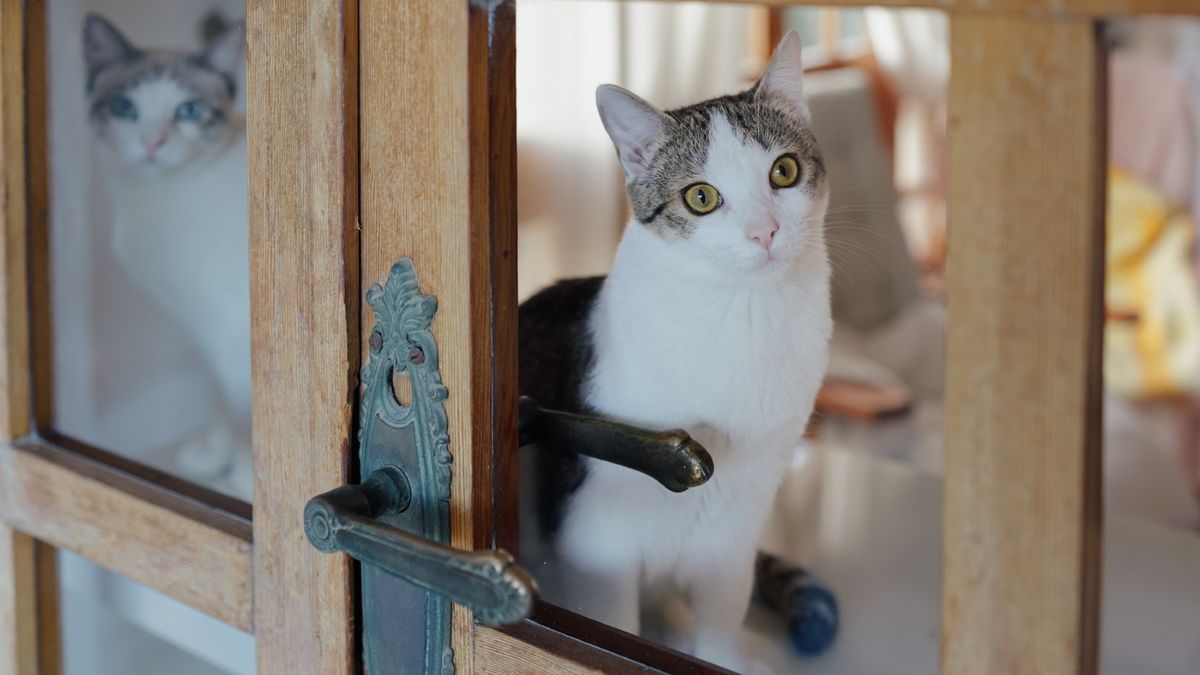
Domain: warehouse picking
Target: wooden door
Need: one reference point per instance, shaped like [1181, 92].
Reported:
[251, 570]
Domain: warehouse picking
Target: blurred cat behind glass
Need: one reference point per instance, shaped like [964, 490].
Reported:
[172, 147]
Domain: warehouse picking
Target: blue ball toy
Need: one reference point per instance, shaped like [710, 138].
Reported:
[809, 610]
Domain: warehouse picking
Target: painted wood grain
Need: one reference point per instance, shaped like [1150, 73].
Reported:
[302, 125]
[1022, 474]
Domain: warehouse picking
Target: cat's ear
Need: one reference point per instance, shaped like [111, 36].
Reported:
[633, 124]
[103, 44]
[225, 53]
[784, 79]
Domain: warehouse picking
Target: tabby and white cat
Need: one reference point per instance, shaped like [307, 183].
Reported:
[173, 148]
[716, 319]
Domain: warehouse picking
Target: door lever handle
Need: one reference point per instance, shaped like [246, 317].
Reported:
[354, 519]
[673, 458]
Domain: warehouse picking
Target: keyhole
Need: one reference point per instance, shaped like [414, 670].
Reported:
[402, 387]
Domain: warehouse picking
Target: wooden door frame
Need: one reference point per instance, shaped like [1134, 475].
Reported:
[438, 186]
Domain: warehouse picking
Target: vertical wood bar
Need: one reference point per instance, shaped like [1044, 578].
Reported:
[37, 171]
[49, 638]
[14, 328]
[1022, 476]
[29, 618]
[29, 629]
[18, 603]
[438, 122]
[303, 139]
[501, 281]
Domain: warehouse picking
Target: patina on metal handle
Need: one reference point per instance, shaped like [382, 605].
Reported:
[353, 518]
[673, 458]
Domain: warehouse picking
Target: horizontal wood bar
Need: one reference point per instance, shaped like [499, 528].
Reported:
[500, 653]
[191, 499]
[164, 543]
[596, 645]
[1033, 8]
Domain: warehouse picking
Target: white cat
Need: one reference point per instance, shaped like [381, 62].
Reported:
[174, 148]
[716, 319]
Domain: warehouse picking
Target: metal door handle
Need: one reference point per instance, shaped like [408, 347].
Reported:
[353, 519]
[672, 458]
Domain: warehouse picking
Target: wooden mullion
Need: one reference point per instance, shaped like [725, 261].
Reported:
[303, 128]
[18, 603]
[37, 155]
[501, 284]
[1022, 506]
[425, 188]
[15, 413]
[49, 614]
[29, 630]
[30, 642]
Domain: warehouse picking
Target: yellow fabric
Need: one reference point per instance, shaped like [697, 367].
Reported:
[1149, 276]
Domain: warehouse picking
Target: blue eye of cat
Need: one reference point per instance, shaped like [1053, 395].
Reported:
[189, 111]
[123, 108]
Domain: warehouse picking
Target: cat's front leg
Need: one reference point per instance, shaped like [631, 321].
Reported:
[610, 596]
[720, 596]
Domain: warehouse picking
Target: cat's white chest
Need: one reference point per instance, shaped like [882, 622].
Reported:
[184, 237]
[746, 362]
[739, 370]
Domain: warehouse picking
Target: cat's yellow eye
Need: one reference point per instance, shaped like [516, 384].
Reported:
[785, 172]
[701, 198]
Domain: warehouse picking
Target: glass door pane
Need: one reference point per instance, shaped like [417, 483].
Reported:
[1151, 587]
[858, 511]
[114, 626]
[147, 350]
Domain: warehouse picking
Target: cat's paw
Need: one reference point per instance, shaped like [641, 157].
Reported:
[240, 482]
[204, 457]
[675, 619]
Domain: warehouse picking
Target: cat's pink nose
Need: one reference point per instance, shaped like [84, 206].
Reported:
[153, 144]
[763, 235]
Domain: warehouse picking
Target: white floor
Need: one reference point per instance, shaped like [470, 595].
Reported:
[871, 529]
